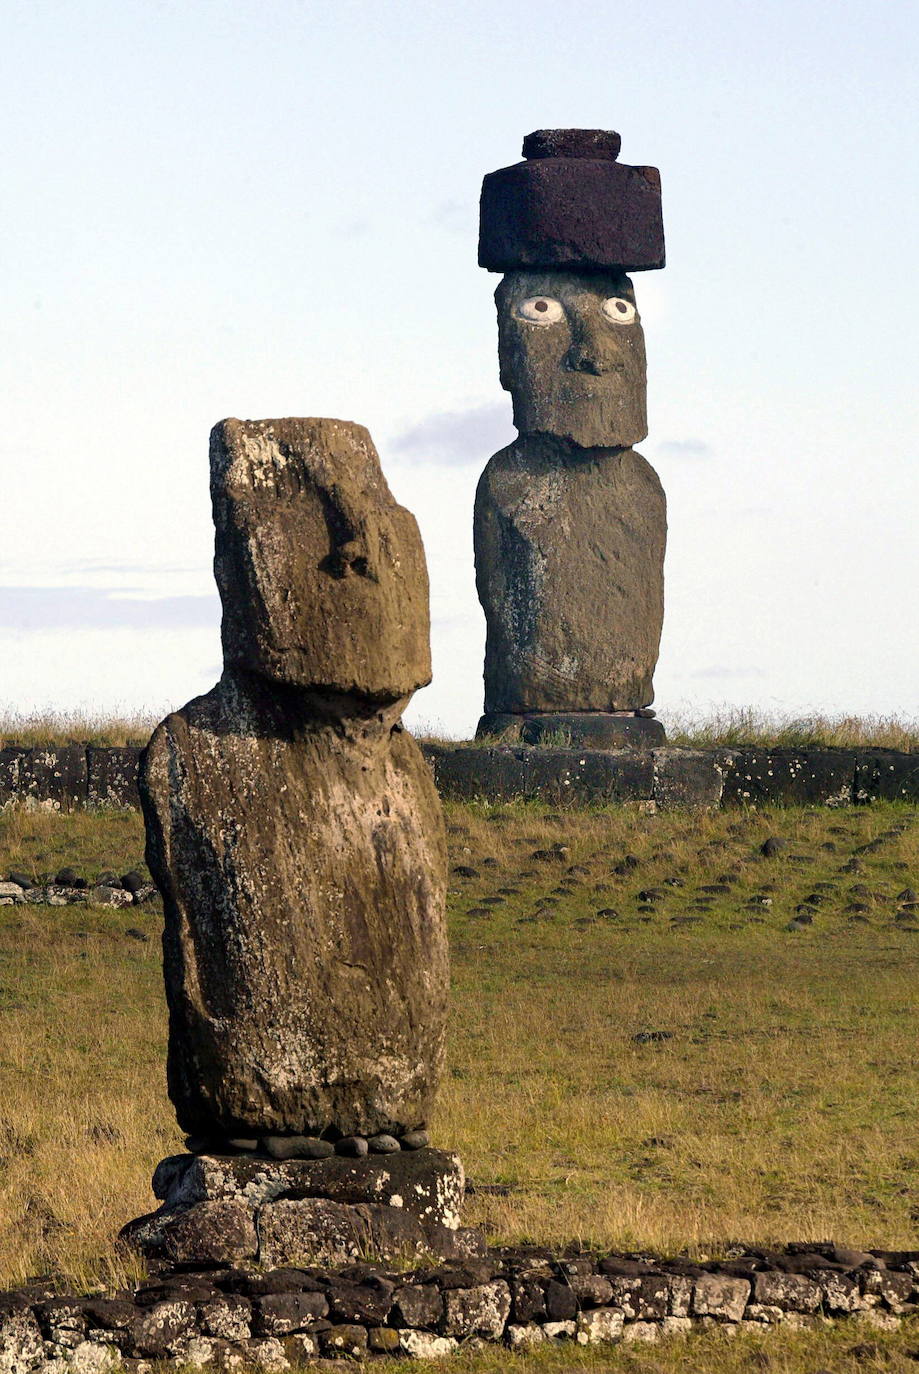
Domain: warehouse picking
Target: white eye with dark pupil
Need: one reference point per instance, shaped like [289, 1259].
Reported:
[618, 310]
[540, 310]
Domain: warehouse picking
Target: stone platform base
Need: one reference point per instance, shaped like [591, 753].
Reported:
[238, 1318]
[226, 1209]
[576, 729]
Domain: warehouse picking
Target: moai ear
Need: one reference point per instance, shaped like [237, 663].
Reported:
[321, 573]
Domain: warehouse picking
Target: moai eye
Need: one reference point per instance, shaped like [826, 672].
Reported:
[619, 310]
[540, 310]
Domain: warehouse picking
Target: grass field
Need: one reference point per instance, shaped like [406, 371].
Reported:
[642, 1054]
[728, 727]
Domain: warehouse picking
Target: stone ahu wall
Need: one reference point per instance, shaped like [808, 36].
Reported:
[236, 1316]
[80, 775]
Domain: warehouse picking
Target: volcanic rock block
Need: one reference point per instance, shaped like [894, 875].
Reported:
[580, 729]
[292, 825]
[571, 204]
[569, 550]
[427, 1184]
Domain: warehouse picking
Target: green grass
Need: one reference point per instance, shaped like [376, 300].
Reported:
[739, 727]
[675, 1074]
[729, 727]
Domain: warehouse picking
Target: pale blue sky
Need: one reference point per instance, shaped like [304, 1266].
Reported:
[264, 209]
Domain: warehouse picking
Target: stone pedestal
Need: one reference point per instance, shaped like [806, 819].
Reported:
[587, 729]
[227, 1209]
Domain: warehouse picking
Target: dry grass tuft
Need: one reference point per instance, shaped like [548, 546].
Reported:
[740, 726]
[75, 727]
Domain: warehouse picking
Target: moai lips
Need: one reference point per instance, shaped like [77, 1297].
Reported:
[292, 825]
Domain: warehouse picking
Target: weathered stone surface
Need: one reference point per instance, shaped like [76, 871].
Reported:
[886, 775]
[643, 1297]
[577, 729]
[20, 1339]
[719, 1295]
[571, 352]
[49, 776]
[689, 777]
[282, 1314]
[456, 1244]
[111, 776]
[571, 204]
[346, 1339]
[207, 1233]
[423, 1345]
[304, 951]
[158, 1330]
[368, 1302]
[390, 1232]
[427, 1184]
[790, 1292]
[418, 1305]
[311, 1231]
[792, 777]
[601, 1324]
[228, 1317]
[561, 1301]
[569, 550]
[321, 574]
[591, 1290]
[592, 143]
[292, 825]
[566, 777]
[479, 1311]
[298, 1147]
[524, 1337]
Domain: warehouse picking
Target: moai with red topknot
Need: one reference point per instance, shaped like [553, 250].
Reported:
[570, 521]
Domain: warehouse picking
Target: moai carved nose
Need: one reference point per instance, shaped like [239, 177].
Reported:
[592, 350]
[582, 357]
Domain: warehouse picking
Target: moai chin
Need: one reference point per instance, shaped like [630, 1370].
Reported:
[570, 521]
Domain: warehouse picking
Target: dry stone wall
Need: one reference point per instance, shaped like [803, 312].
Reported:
[236, 1317]
[78, 775]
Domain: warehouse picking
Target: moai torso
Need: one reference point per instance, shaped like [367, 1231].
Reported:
[570, 522]
[293, 827]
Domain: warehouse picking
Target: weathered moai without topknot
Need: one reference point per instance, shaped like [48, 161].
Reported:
[292, 824]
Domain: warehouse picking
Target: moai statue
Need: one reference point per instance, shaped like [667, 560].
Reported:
[570, 522]
[295, 833]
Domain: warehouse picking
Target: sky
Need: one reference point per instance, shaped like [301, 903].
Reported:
[269, 207]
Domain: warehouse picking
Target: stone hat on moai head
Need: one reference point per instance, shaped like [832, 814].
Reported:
[571, 205]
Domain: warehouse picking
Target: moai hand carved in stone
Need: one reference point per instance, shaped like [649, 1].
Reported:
[570, 522]
[293, 827]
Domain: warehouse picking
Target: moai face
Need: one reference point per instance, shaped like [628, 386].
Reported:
[572, 354]
[321, 574]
